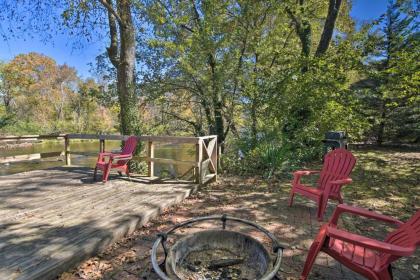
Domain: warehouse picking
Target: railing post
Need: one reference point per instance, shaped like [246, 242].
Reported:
[150, 156]
[67, 150]
[215, 158]
[102, 145]
[199, 160]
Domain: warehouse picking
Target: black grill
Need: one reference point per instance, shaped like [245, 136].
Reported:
[334, 139]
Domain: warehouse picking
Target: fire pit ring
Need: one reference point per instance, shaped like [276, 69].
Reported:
[253, 255]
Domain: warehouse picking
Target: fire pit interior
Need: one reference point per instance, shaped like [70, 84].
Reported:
[217, 254]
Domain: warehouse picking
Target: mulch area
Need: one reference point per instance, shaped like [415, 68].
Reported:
[265, 202]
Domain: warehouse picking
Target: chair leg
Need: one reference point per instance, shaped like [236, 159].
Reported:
[385, 274]
[106, 173]
[95, 172]
[127, 172]
[292, 195]
[313, 252]
[322, 206]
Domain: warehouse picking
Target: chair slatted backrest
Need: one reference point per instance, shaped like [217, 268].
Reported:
[338, 164]
[407, 235]
[129, 148]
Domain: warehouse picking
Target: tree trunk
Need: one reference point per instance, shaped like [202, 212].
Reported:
[333, 10]
[254, 122]
[122, 54]
[7, 97]
[254, 98]
[381, 129]
[126, 71]
[217, 104]
[305, 36]
[304, 32]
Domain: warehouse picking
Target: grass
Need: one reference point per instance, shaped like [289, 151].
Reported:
[387, 181]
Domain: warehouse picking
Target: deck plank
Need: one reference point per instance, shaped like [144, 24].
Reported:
[50, 220]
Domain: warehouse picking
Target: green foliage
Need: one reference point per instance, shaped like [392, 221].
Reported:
[249, 71]
[39, 96]
[269, 156]
[278, 97]
[389, 90]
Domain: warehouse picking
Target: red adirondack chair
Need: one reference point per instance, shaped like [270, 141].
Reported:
[369, 257]
[334, 174]
[116, 161]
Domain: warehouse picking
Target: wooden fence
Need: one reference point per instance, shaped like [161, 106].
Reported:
[204, 167]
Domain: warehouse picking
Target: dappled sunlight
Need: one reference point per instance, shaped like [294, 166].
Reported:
[42, 219]
[68, 217]
[265, 202]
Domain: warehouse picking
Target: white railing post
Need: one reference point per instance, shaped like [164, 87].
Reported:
[150, 156]
[199, 160]
[67, 150]
[102, 145]
[215, 157]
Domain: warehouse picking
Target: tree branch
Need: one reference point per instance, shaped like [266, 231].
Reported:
[111, 10]
[187, 28]
[197, 126]
[303, 30]
[196, 14]
[180, 118]
[112, 50]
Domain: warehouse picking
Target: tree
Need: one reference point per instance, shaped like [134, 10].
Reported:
[301, 13]
[45, 97]
[89, 114]
[227, 56]
[32, 82]
[324, 42]
[85, 19]
[196, 37]
[390, 88]
[122, 52]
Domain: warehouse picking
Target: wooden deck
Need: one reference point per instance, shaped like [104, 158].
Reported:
[52, 219]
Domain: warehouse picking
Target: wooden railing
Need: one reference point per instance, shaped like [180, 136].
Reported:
[204, 166]
[27, 157]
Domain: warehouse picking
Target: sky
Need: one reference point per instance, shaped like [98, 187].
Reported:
[63, 50]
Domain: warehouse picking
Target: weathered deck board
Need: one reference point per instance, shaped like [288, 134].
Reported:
[52, 219]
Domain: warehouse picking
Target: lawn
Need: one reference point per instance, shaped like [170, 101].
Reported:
[385, 180]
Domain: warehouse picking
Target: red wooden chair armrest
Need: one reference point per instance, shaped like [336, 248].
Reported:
[305, 172]
[102, 155]
[299, 173]
[344, 181]
[335, 184]
[343, 208]
[370, 243]
[105, 153]
[117, 156]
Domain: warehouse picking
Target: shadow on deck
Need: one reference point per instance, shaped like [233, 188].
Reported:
[50, 220]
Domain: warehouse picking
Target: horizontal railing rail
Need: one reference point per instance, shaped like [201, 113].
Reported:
[204, 167]
[35, 137]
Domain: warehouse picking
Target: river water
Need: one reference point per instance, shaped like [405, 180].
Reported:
[183, 152]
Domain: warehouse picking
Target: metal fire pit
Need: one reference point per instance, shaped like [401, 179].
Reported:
[217, 254]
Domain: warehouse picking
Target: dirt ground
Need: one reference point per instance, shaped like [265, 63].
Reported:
[387, 181]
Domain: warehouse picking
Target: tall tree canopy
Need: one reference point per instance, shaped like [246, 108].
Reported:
[41, 96]
[269, 78]
[87, 20]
